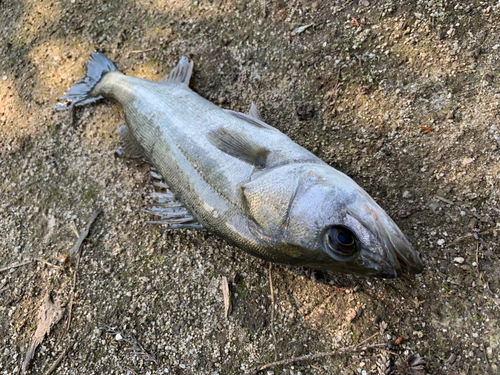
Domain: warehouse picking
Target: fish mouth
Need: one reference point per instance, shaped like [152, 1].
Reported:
[400, 259]
[407, 260]
[393, 253]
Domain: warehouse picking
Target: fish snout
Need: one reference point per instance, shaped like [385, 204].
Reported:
[409, 260]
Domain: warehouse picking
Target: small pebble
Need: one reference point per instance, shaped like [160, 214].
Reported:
[314, 5]
[467, 161]
[459, 260]
[452, 358]
[419, 334]
[4, 78]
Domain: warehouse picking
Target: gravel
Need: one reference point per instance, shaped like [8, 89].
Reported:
[401, 96]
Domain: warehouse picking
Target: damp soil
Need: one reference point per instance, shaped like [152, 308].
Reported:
[403, 96]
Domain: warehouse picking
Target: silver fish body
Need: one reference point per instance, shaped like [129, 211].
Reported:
[248, 182]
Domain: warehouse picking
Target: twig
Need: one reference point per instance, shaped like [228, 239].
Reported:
[70, 309]
[308, 357]
[76, 249]
[73, 226]
[469, 212]
[84, 234]
[16, 265]
[272, 312]
[136, 347]
[369, 338]
[472, 235]
[444, 200]
[32, 182]
[143, 50]
[57, 362]
[28, 262]
[388, 351]
[47, 263]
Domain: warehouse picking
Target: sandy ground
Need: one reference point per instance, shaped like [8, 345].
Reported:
[403, 96]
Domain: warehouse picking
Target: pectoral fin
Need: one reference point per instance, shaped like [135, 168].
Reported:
[240, 146]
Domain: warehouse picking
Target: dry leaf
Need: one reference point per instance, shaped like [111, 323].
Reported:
[49, 315]
[227, 297]
[64, 259]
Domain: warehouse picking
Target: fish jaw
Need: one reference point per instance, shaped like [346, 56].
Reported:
[394, 245]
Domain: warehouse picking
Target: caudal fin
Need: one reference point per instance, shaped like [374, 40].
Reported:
[80, 93]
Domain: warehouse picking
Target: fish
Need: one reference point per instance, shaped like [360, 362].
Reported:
[234, 175]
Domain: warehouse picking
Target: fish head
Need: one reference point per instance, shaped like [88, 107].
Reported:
[340, 227]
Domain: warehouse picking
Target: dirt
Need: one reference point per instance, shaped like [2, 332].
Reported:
[403, 96]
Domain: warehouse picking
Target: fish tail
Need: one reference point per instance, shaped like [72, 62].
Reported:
[81, 93]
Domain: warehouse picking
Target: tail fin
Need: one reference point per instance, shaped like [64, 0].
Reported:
[79, 93]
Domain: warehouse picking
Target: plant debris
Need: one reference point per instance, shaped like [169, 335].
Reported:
[50, 313]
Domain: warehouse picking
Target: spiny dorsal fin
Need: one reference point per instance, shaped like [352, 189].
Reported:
[239, 145]
[250, 119]
[254, 112]
[181, 73]
[129, 147]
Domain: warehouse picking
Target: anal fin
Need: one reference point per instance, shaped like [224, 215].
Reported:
[172, 213]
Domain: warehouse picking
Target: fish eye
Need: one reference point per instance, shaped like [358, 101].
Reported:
[341, 239]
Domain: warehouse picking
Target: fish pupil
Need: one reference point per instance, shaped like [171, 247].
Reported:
[345, 238]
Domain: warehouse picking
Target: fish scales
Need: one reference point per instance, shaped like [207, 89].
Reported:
[174, 138]
[248, 182]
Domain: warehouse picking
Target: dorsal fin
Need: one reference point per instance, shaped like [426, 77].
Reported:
[181, 73]
[239, 145]
[250, 119]
[255, 113]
